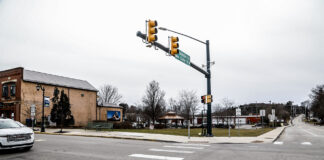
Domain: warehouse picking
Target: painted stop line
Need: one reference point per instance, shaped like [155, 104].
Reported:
[155, 157]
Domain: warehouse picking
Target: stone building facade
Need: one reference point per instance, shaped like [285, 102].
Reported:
[18, 93]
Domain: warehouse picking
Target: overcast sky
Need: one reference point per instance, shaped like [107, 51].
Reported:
[263, 50]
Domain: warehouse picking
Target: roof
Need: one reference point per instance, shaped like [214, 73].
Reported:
[44, 78]
[109, 105]
[171, 115]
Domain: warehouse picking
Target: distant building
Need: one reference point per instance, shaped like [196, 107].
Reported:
[244, 119]
[18, 92]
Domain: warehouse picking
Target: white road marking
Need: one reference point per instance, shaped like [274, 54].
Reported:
[40, 140]
[173, 151]
[155, 157]
[309, 132]
[184, 147]
[306, 143]
[190, 144]
[279, 143]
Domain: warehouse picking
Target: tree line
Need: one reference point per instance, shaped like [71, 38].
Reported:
[153, 104]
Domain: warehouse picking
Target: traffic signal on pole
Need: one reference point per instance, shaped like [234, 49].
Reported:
[174, 45]
[209, 99]
[203, 99]
[152, 31]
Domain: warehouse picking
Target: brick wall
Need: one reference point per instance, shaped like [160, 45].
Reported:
[83, 103]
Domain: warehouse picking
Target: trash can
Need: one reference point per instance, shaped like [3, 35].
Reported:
[28, 122]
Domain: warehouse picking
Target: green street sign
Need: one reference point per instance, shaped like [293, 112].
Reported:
[181, 56]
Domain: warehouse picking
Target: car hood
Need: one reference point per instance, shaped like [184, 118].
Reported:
[10, 131]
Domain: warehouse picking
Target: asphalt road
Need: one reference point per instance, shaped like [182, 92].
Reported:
[290, 146]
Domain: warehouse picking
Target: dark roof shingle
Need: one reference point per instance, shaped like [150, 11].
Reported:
[44, 78]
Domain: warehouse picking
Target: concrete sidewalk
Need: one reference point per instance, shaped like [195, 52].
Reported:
[268, 137]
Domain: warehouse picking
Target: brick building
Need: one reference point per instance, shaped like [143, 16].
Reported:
[18, 92]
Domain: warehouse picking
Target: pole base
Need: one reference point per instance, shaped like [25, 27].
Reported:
[42, 129]
[209, 135]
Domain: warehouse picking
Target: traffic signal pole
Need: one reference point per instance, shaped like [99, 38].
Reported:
[209, 118]
[207, 74]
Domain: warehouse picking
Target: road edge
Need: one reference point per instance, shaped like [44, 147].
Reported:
[114, 137]
[279, 134]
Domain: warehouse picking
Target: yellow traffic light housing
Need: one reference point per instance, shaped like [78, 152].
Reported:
[152, 31]
[174, 45]
[209, 98]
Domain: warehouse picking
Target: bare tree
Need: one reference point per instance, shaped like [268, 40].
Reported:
[317, 104]
[153, 101]
[189, 101]
[174, 106]
[228, 104]
[108, 94]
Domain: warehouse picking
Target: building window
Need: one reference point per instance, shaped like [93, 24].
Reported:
[13, 90]
[5, 91]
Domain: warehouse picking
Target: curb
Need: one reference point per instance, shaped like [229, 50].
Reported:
[279, 134]
[115, 137]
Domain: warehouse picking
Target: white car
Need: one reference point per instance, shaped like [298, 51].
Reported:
[14, 135]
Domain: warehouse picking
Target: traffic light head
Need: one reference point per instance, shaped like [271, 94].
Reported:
[174, 45]
[203, 99]
[152, 31]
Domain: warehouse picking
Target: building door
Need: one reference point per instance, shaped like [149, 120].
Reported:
[8, 112]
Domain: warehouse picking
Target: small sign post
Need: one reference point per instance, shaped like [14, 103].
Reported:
[32, 114]
[273, 117]
[262, 114]
[238, 113]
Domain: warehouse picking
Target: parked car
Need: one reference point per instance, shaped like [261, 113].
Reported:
[14, 135]
[257, 125]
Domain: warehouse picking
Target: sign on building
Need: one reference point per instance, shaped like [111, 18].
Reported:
[113, 115]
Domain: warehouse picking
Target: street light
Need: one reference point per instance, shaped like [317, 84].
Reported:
[40, 87]
[208, 76]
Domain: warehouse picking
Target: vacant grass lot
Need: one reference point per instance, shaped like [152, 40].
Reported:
[219, 132]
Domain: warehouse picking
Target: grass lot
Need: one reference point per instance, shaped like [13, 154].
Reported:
[219, 132]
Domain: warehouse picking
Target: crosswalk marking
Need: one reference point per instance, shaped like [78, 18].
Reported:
[306, 143]
[190, 144]
[173, 151]
[279, 143]
[155, 157]
[315, 135]
[184, 147]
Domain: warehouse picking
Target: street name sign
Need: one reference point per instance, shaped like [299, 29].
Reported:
[183, 57]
